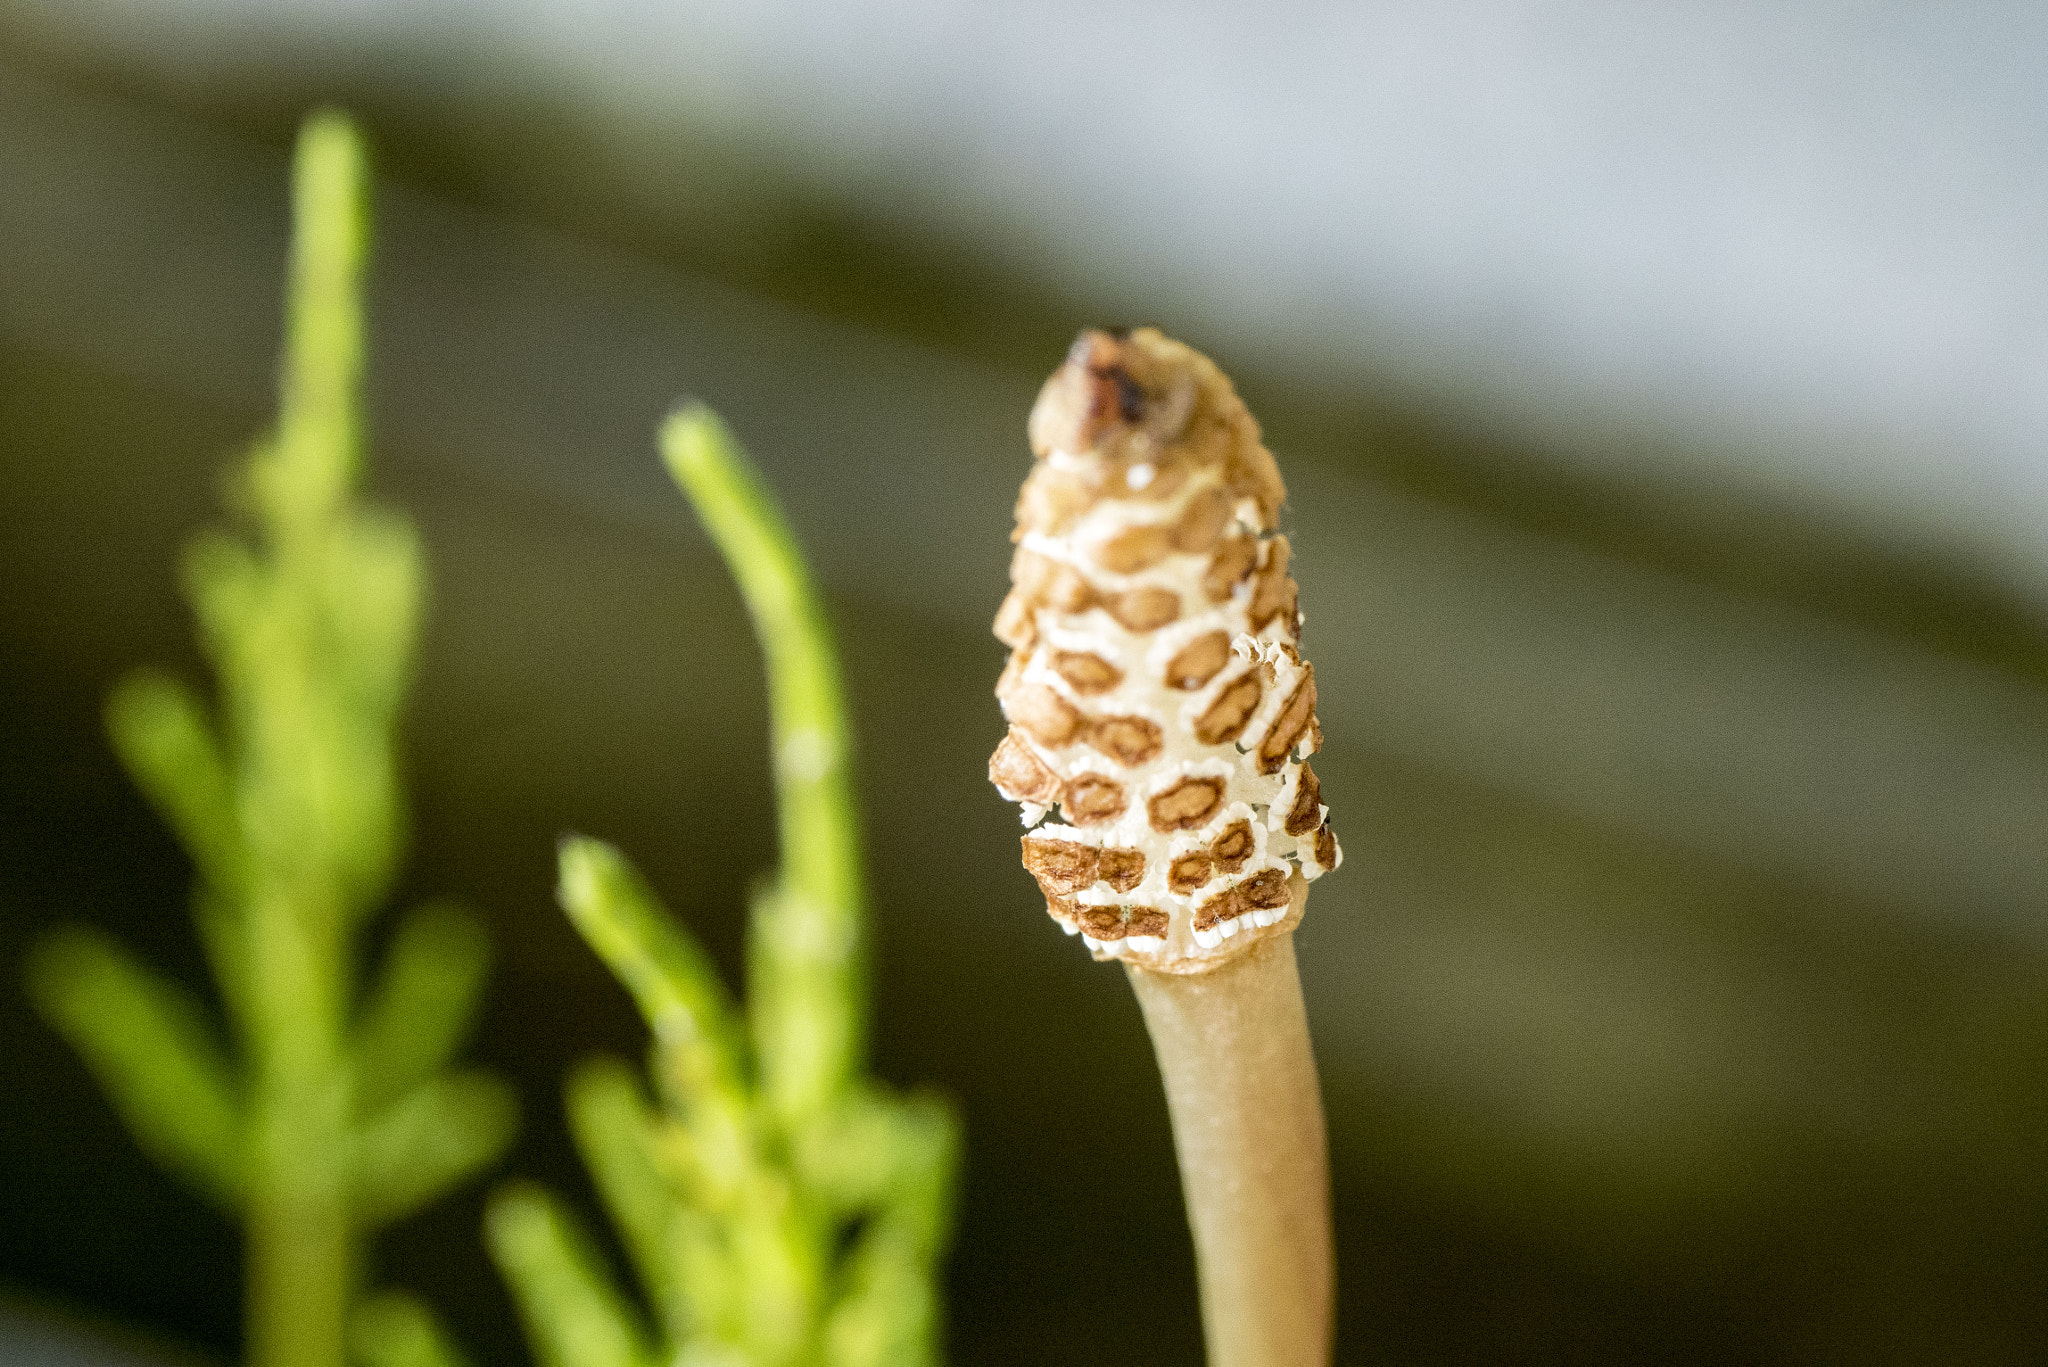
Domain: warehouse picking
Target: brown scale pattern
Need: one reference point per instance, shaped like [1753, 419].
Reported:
[1132, 402]
[1086, 673]
[1091, 799]
[1265, 889]
[1199, 661]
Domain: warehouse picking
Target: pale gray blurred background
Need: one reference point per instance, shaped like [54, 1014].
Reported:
[1661, 394]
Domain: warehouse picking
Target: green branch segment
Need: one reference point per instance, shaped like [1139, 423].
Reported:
[779, 1208]
[808, 1027]
[325, 1120]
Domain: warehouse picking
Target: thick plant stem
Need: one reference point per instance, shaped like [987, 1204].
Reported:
[300, 1228]
[301, 1279]
[1233, 1048]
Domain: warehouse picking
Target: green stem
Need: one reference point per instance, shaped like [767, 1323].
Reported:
[301, 1226]
[812, 928]
[318, 423]
[301, 1237]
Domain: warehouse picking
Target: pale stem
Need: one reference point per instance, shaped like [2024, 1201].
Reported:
[1247, 1114]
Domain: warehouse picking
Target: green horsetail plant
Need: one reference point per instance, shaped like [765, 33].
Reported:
[333, 1112]
[780, 1207]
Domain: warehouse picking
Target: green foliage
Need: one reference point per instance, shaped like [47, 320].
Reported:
[779, 1208]
[326, 1119]
[391, 1329]
[154, 1051]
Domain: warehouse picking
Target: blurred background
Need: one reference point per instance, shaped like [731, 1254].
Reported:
[1661, 393]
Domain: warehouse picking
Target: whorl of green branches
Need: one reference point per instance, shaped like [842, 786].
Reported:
[779, 1207]
[321, 1112]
